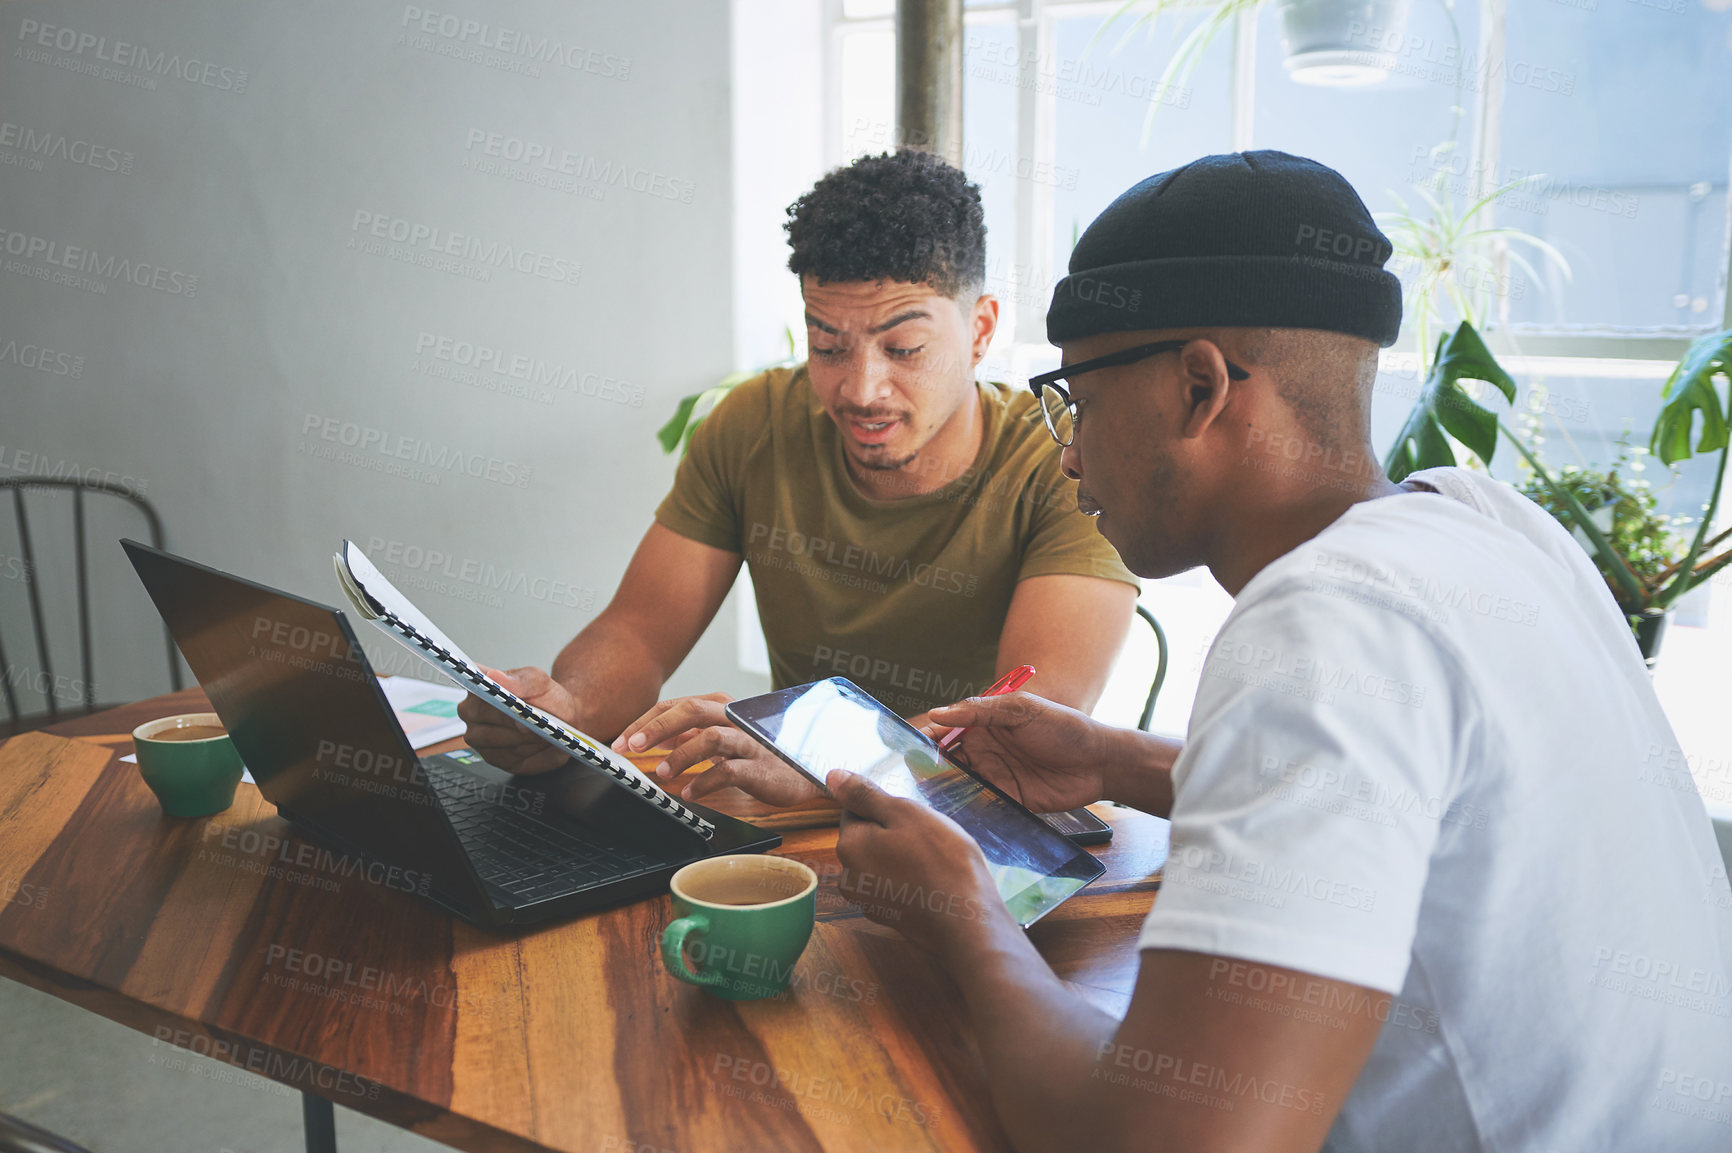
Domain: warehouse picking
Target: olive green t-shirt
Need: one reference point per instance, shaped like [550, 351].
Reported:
[905, 597]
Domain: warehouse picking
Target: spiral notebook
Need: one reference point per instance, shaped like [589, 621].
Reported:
[377, 599]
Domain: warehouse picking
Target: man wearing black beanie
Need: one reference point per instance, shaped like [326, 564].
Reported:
[1386, 921]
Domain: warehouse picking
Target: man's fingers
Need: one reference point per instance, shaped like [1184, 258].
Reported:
[515, 751]
[477, 710]
[727, 774]
[529, 681]
[543, 760]
[501, 734]
[625, 734]
[988, 712]
[531, 684]
[768, 780]
[712, 743]
[860, 796]
[485, 741]
[971, 713]
[677, 717]
[735, 761]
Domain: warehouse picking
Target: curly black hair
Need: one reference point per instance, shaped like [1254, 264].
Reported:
[903, 215]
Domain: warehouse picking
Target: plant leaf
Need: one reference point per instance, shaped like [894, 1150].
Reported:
[671, 433]
[1690, 390]
[1445, 407]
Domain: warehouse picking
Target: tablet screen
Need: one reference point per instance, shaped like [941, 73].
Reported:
[834, 724]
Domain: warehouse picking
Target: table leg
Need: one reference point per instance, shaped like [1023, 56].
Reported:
[320, 1123]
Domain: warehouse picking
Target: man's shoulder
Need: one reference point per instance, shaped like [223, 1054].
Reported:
[1020, 438]
[1466, 528]
[760, 394]
[757, 406]
[1434, 568]
[1019, 410]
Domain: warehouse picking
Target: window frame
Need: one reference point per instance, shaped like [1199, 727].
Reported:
[1634, 353]
[1036, 111]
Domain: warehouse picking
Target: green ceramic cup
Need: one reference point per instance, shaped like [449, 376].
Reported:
[744, 920]
[190, 777]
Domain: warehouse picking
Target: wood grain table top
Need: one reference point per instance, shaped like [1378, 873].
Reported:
[234, 937]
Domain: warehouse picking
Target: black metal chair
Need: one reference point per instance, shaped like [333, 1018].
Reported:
[317, 1116]
[1160, 668]
[16, 720]
[22, 1137]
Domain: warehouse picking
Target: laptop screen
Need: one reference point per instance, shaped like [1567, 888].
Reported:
[296, 693]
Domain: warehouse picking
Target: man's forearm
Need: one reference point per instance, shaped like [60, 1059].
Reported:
[611, 674]
[1139, 771]
[1038, 1039]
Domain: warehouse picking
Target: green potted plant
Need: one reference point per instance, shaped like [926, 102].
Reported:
[1623, 506]
[1635, 549]
[1695, 390]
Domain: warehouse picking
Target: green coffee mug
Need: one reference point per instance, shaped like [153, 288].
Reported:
[192, 772]
[745, 919]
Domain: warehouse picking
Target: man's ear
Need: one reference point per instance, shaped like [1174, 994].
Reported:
[983, 322]
[1203, 378]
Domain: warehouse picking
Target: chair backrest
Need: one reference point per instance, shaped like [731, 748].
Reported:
[1160, 668]
[33, 588]
[22, 1137]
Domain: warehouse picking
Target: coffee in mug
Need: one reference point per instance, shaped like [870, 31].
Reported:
[189, 733]
[746, 917]
[736, 889]
[189, 762]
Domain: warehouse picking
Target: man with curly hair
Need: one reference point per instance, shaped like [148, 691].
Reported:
[905, 525]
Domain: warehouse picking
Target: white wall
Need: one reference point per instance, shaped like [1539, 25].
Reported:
[266, 139]
[778, 155]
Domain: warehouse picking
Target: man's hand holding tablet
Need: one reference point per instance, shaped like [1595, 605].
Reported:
[912, 868]
[835, 724]
[1053, 758]
[696, 729]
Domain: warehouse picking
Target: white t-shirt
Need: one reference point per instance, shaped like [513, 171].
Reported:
[1426, 758]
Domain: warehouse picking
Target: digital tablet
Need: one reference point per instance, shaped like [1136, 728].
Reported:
[835, 724]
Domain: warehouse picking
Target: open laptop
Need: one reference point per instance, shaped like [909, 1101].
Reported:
[296, 693]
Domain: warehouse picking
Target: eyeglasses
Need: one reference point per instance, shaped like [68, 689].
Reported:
[1058, 408]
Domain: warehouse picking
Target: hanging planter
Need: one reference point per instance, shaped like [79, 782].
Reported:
[1650, 626]
[1343, 43]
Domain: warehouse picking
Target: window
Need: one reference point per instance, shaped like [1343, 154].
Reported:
[1626, 110]
[1616, 114]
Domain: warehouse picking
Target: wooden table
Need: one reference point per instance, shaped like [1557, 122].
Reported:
[569, 1037]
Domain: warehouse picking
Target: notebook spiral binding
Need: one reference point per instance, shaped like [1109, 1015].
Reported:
[527, 714]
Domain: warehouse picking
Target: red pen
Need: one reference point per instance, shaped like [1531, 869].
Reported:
[1008, 683]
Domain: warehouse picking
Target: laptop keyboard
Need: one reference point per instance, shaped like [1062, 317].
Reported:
[530, 859]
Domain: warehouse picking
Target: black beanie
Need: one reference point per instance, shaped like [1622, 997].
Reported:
[1249, 239]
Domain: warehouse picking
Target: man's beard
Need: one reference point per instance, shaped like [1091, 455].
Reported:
[882, 465]
[1151, 552]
